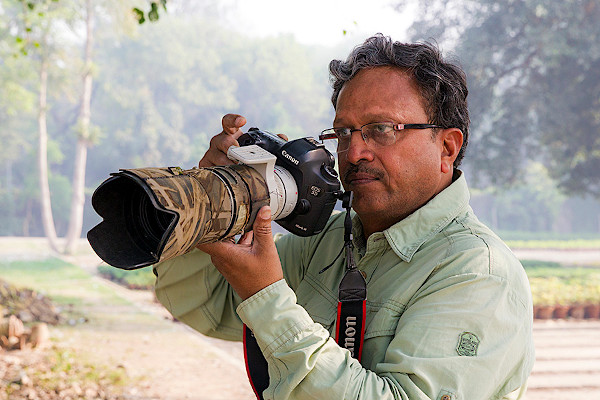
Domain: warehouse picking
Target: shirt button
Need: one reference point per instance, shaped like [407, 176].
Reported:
[445, 397]
[364, 274]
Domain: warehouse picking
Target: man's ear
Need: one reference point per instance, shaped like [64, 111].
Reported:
[451, 140]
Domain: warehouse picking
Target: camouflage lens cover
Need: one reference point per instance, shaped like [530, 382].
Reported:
[212, 203]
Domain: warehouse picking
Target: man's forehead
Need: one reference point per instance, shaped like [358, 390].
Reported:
[378, 94]
[343, 118]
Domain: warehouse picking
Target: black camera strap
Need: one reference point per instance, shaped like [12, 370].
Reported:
[256, 364]
[351, 311]
[352, 297]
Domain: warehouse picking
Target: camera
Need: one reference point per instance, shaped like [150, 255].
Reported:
[154, 214]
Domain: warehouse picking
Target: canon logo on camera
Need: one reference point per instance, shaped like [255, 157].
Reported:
[289, 157]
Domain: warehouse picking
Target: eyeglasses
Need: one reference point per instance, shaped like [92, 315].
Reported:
[381, 133]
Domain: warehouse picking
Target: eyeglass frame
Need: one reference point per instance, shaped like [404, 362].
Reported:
[331, 134]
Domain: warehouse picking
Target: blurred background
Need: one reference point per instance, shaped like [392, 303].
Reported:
[85, 90]
[88, 87]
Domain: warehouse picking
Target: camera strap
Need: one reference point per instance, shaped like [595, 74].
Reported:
[352, 297]
[351, 312]
[256, 364]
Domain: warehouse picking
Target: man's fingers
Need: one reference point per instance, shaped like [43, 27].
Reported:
[232, 123]
[220, 144]
[224, 141]
[246, 238]
[218, 249]
[214, 157]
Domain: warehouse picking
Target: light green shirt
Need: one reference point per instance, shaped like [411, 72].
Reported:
[449, 311]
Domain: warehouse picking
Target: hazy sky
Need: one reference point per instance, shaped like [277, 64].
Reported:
[321, 21]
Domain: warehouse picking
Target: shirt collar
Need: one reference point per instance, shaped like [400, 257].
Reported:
[406, 236]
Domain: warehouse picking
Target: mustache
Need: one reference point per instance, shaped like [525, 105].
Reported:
[359, 168]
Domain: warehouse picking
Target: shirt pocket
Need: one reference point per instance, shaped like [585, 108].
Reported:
[382, 321]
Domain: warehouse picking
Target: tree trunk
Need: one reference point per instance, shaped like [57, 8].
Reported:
[45, 202]
[83, 141]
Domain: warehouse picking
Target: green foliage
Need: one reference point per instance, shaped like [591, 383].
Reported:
[553, 290]
[17, 100]
[33, 18]
[552, 283]
[158, 97]
[161, 95]
[534, 76]
[67, 368]
[532, 204]
[152, 14]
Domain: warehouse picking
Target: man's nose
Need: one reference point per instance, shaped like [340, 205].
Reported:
[358, 149]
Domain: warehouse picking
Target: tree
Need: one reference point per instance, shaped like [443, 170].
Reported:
[84, 136]
[157, 98]
[534, 76]
[35, 24]
[39, 29]
[532, 205]
[160, 95]
[17, 113]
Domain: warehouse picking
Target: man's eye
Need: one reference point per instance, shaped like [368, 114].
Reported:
[378, 130]
[342, 132]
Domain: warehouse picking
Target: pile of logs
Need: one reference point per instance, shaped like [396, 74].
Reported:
[16, 336]
[24, 318]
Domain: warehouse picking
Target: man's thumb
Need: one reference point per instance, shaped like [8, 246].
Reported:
[262, 225]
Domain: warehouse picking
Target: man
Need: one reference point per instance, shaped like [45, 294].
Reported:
[449, 313]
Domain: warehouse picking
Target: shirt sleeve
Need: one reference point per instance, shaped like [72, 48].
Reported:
[462, 337]
[195, 293]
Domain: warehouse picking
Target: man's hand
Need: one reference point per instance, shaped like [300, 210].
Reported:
[219, 144]
[253, 263]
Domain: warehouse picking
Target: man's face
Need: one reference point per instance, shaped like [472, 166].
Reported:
[389, 183]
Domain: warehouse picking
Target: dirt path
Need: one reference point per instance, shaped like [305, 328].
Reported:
[171, 361]
[590, 257]
[567, 362]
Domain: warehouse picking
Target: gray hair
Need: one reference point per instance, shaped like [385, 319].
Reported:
[443, 85]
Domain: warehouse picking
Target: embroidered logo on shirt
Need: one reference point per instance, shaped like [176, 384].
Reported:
[467, 344]
[445, 395]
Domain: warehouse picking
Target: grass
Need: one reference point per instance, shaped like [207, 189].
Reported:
[77, 293]
[91, 309]
[67, 368]
[64, 283]
[142, 278]
[550, 240]
[546, 269]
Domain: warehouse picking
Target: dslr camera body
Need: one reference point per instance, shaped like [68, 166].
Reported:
[311, 168]
[154, 214]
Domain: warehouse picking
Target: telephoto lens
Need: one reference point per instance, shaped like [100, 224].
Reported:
[154, 214]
